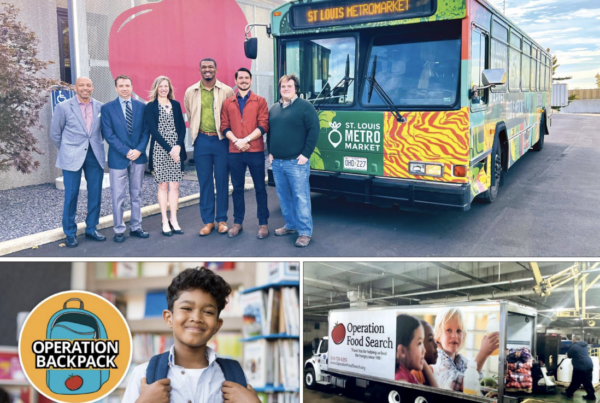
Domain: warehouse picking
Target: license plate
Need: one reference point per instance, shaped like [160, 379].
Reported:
[355, 163]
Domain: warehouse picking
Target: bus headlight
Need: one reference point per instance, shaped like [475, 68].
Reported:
[426, 169]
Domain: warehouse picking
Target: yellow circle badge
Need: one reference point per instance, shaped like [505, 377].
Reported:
[75, 346]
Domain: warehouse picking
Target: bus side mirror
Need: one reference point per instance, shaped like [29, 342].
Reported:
[251, 48]
[493, 77]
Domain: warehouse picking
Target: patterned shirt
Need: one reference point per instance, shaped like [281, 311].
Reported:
[449, 373]
[87, 111]
[285, 104]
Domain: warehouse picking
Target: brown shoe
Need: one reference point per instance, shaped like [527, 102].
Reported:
[223, 228]
[302, 241]
[263, 232]
[207, 229]
[284, 231]
[235, 230]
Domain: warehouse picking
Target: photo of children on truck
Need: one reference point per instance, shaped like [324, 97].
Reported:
[431, 356]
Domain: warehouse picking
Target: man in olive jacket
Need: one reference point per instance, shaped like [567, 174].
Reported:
[582, 369]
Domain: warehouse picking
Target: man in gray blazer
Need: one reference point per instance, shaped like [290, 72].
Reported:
[76, 132]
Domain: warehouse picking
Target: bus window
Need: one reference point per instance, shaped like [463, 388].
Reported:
[478, 58]
[499, 61]
[321, 64]
[526, 76]
[533, 70]
[515, 63]
[415, 70]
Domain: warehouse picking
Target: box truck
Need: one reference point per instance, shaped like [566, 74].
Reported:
[365, 350]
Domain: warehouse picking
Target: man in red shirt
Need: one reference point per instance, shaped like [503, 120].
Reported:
[244, 120]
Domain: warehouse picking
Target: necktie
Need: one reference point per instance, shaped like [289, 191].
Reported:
[129, 117]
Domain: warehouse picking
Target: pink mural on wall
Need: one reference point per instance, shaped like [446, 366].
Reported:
[171, 37]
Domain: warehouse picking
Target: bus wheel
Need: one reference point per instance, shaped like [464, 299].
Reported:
[309, 378]
[393, 396]
[540, 143]
[490, 195]
[420, 399]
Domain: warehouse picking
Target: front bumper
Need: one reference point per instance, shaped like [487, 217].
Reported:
[404, 192]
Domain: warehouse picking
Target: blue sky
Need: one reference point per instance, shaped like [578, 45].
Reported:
[570, 28]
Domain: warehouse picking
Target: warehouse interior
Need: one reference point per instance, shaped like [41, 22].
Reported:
[564, 295]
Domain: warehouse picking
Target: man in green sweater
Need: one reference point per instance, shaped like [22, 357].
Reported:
[293, 133]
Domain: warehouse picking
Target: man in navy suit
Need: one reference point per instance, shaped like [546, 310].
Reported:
[122, 126]
[75, 130]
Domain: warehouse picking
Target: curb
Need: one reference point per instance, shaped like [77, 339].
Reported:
[53, 235]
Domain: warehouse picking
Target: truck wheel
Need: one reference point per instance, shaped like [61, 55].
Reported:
[540, 144]
[309, 378]
[490, 195]
[394, 396]
[420, 399]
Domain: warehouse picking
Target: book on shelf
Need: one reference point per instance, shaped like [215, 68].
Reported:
[256, 363]
[272, 362]
[227, 345]
[280, 397]
[272, 311]
[10, 366]
[254, 316]
[147, 345]
[156, 303]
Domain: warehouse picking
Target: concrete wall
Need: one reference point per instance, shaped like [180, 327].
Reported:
[42, 20]
[310, 333]
[583, 106]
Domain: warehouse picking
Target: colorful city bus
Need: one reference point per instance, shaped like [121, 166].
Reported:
[422, 103]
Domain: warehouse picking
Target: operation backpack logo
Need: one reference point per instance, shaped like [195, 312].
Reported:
[75, 347]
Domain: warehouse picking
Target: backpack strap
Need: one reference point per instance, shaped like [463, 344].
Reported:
[233, 371]
[158, 367]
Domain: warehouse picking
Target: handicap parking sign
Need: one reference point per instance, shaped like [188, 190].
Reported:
[59, 96]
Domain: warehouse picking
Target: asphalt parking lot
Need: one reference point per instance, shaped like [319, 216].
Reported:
[548, 207]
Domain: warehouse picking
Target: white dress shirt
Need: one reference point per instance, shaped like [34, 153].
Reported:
[206, 390]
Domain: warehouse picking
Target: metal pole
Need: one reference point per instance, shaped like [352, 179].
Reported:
[73, 39]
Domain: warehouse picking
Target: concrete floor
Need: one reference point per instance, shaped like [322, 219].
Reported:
[330, 395]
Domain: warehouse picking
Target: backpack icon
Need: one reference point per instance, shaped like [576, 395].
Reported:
[75, 324]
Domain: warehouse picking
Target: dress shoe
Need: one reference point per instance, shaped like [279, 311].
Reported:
[263, 231]
[96, 236]
[235, 230]
[207, 229]
[175, 231]
[586, 397]
[120, 237]
[167, 233]
[223, 228]
[140, 233]
[302, 241]
[284, 231]
[72, 242]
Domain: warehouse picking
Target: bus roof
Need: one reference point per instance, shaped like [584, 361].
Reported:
[446, 10]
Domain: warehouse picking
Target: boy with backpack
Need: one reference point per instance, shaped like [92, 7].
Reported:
[191, 372]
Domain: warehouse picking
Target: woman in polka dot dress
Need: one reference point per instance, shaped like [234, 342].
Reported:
[163, 118]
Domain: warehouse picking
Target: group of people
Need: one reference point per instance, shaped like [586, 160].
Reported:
[430, 356]
[227, 131]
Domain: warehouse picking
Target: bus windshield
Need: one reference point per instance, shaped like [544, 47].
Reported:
[415, 70]
[321, 64]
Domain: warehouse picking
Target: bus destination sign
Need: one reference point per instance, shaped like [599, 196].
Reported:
[330, 13]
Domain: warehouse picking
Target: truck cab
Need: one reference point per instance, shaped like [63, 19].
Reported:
[315, 366]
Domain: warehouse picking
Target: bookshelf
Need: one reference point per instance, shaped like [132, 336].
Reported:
[271, 350]
[19, 388]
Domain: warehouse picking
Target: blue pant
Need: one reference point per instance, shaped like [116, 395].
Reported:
[255, 161]
[72, 179]
[210, 156]
[293, 190]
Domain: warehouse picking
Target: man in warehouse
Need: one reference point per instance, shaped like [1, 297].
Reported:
[582, 369]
